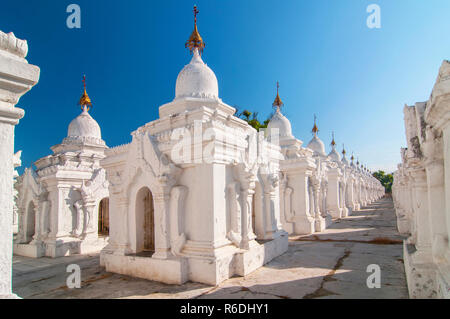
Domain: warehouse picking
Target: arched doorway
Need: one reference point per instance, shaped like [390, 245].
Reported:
[31, 222]
[145, 221]
[103, 217]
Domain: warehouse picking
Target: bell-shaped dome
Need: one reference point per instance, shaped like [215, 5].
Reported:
[334, 155]
[197, 80]
[280, 123]
[317, 146]
[84, 126]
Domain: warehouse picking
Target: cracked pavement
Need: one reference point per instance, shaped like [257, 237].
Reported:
[331, 264]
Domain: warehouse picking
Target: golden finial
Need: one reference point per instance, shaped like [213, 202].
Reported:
[343, 149]
[315, 129]
[85, 101]
[195, 40]
[352, 158]
[277, 103]
[333, 143]
[357, 161]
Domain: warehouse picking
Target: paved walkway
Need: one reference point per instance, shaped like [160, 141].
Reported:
[332, 264]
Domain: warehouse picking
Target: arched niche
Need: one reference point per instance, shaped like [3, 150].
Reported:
[145, 221]
[103, 217]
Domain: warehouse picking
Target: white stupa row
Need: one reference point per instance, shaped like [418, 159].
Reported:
[198, 194]
[317, 188]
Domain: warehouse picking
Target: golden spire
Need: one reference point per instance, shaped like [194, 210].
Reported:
[195, 40]
[315, 129]
[343, 150]
[85, 101]
[352, 158]
[278, 103]
[333, 143]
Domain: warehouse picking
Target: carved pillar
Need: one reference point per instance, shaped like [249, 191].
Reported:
[118, 224]
[177, 219]
[162, 225]
[333, 194]
[324, 195]
[59, 223]
[37, 218]
[304, 223]
[358, 194]
[44, 220]
[53, 213]
[270, 187]
[350, 195]
[90, 228]
[78, 229]
[248, 236]
[235, 235]
[421, 214]
[343, 199]
[319, 222]
[287, 198]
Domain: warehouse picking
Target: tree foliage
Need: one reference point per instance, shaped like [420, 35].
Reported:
[252, 119]
[385, 179]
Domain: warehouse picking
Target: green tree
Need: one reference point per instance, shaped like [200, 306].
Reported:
[385, 179]
[252, 119]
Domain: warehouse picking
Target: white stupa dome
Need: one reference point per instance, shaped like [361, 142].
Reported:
[334, 155]
[84, 126]
[317, 146]
[197, 80]
[281, 123]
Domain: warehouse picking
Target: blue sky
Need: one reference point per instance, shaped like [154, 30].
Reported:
[327, 61]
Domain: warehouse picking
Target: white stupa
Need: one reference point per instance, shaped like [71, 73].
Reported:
[316, 143]
[83, 130]
[352, 164]
[334, 154]
[279, 124]
[69, 193]
[344, 158]
[196, 79]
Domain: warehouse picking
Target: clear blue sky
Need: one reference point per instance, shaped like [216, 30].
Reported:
[328, 62]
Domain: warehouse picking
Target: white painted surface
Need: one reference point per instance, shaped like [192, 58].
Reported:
[16, 78]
